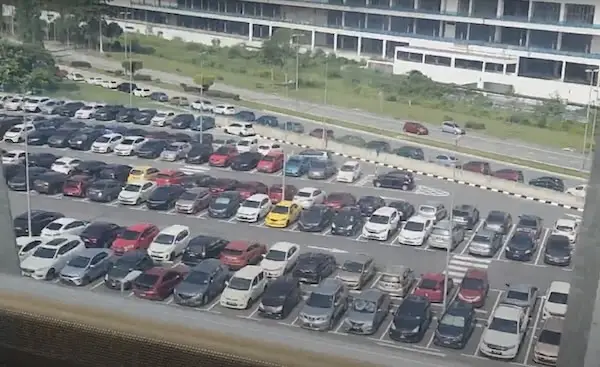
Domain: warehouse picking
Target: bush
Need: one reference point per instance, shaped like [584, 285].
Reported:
[222, 95]
[142, 77]
[81, 64]
[204, 80]
[391, 98]
[132, 66]
[475, 125]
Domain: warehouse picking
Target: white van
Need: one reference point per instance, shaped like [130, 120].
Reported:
[244, 288]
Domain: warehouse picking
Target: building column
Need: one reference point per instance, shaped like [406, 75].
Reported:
[497, 34]
[562, 13]
[416, 4]
[270, 31]
[366, 20]
[243, 8]
[391, 3]
[559, 41]
[343, 19]
[527, 38]
[468, 31]
[262, 10]
[250, 32]
[313, 39]
[470, 7]
[563, 71]
[335, 40]
[389, 23]
[500, 9]
[358, 46]
[530, 11]
[383, 49]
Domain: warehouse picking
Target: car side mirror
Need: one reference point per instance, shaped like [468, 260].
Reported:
[227, 282]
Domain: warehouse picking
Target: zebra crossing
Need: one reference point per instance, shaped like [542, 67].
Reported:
[460, 264]
[190, 170]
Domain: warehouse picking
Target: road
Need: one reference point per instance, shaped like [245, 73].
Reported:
[471, 140]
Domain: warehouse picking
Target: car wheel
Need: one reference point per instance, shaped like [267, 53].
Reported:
[377, 184]
[249, 304]
[138, 201]
[51, 274]
[172, 256]
[204, 299]
[85, 280]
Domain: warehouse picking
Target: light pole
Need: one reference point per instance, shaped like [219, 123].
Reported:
[592, 73]
[296, 36]
[100, 34]
[27, 185]
[325, 102]
[449, 245]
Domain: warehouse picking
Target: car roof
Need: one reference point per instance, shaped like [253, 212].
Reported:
[464, 207]
[385, 210]
[140, 226]
[238, 245]
[525, 288]
[142, 168]
[476, 273]
[567, 222]
[248, 271]
[554, 323]
[132, 137]
[444, 224]
[65, 159]
[157, 270]
[528, 216]
[258, 197]
[328, 286]
[369, 294]
[282, 246]
[168, 171]
[141, 182]
[174, 229]
[508, 312]
[308, 189]
[359, 258]
[395, 270]
[418, 219]
[206, 266]
[91, 252]
[16, 151]
[353, 163]
[285, 203]
[559, 287]
[64, 220]
[65, 238]
[112, 135]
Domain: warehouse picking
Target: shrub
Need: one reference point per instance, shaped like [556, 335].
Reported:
[475, 125]
[81, 64]
[222, 95]
[132, 66]
[118, 72]
[142, 77]
[204, 80]
[391, 98]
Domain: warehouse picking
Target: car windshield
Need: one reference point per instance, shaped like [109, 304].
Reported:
[10, 155]
[481, 238]
[558, 243]
[427, 209]
[319, 300]
[460, 213]
[453, 321]
[472, 283]
[197, 277]
[243, 143]
[103, 139]
[71, 183]
[222, 200]
[79, 262]
[268, 158]
[54, 226]
[504, 326]
[128, 141]
[495, 218]
[251, 204]
[232, 252]
[132, 187]
[16, 129]
[347, 168]
[557, 297]
[379, 219]
[353, 266]
[440, 232]
[564, 229]
[414, 226]
[410, 309]
[173, 148]
[129, 235]
[304, 194]
[527, 222]
[161, 115]
[389, 278]
[520, 296]
[187, 195]
[281, 209]
[364, 306]
[549, 337]
[147, 280]
[312, 215]
[317, 164]
[222, 151]
[521, 239]
[240, 284]
[164, 239]
[45, 252]
[276, 255]
[428, 284]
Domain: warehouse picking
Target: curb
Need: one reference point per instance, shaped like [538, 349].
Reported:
[442, 178]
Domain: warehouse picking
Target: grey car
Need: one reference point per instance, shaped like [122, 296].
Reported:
[522, 295]
[367, 311]
[486, 242]
[324, 306]
[357, 271]
[202, 284]
[445, 160]
[48, 107]
[87, 266]
[193, 200]
[321, 169]
[124, 270]
[175, 151]
[499, 221]
[446, 233]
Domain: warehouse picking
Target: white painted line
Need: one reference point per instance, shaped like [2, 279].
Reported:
[470, 239]
[430, 342]
[476, 353]
[97, 285]
[213, 304]
[253, 313]
[396, 346]
[472, 259]
[542, 246]
[327, 232]
[387, 329]
[511, 232]
[337, 329]
[533, 330]
[170, 300]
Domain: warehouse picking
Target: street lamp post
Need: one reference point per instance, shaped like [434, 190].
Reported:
[592, 73]
[325, 103]
[27, 184]
[449, 245]
[296, 37]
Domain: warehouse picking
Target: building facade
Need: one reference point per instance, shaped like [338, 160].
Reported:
[538, 48]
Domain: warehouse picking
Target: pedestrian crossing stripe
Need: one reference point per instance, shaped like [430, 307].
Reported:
[190, 170]
[460, 264]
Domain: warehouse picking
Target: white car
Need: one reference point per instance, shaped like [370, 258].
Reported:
[567, 227]
[224, 109]
[280, 259]
[415, 231]
[76, 77]
[254, 208]
[268, 147]
[381, 224]
[202, 105]
[169, 243]
[14, 104]
[505, 332]
[309, 196]
[577, 191]
[95, 80]
[136, 193]
[247, 145]
[129, 145]
[240, 128]
[63, 226]
[106, 143]
[110, 84]
[48, 107]
[557, 298]
[349, 172]
[85, 112]
[27, 245]
[33, 104]
[244, 288]
[13, 157]
[18, 133]
[50, 258]
[162, 118]
[142, 92]
[65, 165]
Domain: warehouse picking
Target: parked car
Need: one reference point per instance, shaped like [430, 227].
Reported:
[202, 284]
[158, 283]
[415, 128]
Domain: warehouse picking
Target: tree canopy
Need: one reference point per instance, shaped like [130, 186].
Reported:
[25, 68]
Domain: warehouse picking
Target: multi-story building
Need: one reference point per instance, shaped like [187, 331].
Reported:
[538, 48]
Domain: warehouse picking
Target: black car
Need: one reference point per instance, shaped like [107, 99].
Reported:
[549, 182]
[69, 109]
[104, 190]
[203, 123]
[90, 168]
[268, 120]
[521, 246]
[498, 221]
[225, 205]
[151, 149]
[181, 137]
[558, 250]
[144, 117]
[411, 319]
[379, 146]
[246, 116]
[396, 179]
[42, 159]
[199, 154]
[164, 197]
[456, 326]
[50, 183]
[369, 204]
[60, 138]
[316, 218]
[202, 284]
[182, 121]
[531, 224]
[201, 248]
[39, 220]
[131, 261]
[40, 137]
[100, 234]
[19, 182]
[12, 170]
[280, 298]
[404, 208]
[127, 87]
[118, 172]
[246, 161]
[107, 113]
[127, 114]
[84, 140]
[347, 222]
[411, 152]
[159, 97]
[196, 180]
[312, 267]
[465, 215]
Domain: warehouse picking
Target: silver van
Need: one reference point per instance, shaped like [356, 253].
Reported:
[324, 306]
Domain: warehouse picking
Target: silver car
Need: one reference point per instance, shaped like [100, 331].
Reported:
[324, 306]
[445, 160]
[522, 295]
[396, 281]
[89, 265]
[356, 272]
[367, 312]
[49, 106]
[446, 233]
[452, 128]
[486, 242]
[321, 169]
[175, 151]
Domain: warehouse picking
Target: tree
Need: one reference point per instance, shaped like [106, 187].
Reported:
[25, 68]
[30, 26]
[112, 30]
[206, 81]
[276, 50]
[132, 66]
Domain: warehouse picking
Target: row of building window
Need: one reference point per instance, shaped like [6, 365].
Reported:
[458, 62]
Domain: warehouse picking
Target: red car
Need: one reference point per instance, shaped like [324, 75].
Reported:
[474, 287]
[276, 191]
[249, 188]
[272, 162]
[221, 185]
[431, 286]
[158, 283]
[415, 128]
[169, 177]
[136, 237]
[222, 157]
[77, 185]
[238, 254]
[322, 133]
[338, 200]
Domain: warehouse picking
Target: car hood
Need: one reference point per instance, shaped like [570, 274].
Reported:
[185, 202]
[376, 226]
[407, 323]
[494, 226]
[348, 276]
[555, 309]
[316, 311]
[276, 216]
[501, 339]
[558, 252]
[360, 317]
[35, 263]
[73, 272]
[248, 211]
[118, 273]
[123, 147]
[272, 265]
[547, 349]
[235, 294]
[481, 243]
[168, 153]
[521, 246]
[411, 234]
[191, 289]
[129, 194]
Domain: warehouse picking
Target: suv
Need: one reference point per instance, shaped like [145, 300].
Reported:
[415, 128]
[169, 243]
[505, 332]
[39, 220]
[548, 342]
[325, 305]
[126, 268]
[478, 167]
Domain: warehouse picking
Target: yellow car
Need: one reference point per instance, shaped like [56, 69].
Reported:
[142, 173]
[283, 214]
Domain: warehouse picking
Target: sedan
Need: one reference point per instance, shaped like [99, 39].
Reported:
[521, 246]
[369, 204]
[558, 250]
[238, 254]
[411, 319]
[158, 283]
[202, 284]
[367, 312]
[164, 197]
[193, 200]
[339, 200]
[100, 234]
[321, 169]
[431, 286]
[357, 271]
[316, 218]
[89, 265]
[104, 191]
[42, 159]
[347, 222]
[223, 156]
[245, 161]
[225, 205]
[20, 182]
[456, 326]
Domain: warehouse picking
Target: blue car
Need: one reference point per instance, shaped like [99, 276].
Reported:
[159, 96]
[268, 120]
[297, 166]
[203, 123]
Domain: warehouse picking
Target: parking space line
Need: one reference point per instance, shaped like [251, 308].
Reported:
[170, 300]
[470, 239]
[387, 330]
[331, 179]
[430, 342]
[232, 220]
[363, 180]
[252, 314]
[97, 285]
[496, 303]
[542, 246]
[410, 349]
[326, 232]
[511, 232]
[213, 305]
[537, 320]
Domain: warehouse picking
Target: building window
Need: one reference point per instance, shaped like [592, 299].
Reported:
[493, 67]
[579, 14]
[438, 60]
[511, 68]
[468, 64]
[409, 56]
[545, 12]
